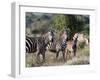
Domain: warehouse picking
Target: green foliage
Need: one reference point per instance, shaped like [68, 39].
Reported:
[36, 31]
[78, 23]
[42, 22]
[86, 29]
[81, 45]
[59, 22]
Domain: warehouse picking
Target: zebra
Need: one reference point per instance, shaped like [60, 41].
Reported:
[31, 44]
[79, 38]
[39, 44]
[62, 45]
[43, 42]
[74, 46]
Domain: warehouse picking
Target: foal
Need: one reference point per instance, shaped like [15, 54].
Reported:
[72, 46]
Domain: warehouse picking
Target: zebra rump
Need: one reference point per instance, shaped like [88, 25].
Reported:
[31, 44]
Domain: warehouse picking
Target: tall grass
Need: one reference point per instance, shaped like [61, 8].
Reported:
[82, 57]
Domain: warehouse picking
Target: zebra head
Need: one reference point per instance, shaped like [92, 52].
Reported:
[51, 36]
[76, 36]
[64, 37]
[81, 38]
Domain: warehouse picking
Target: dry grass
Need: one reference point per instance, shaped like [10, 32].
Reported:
[81, 59]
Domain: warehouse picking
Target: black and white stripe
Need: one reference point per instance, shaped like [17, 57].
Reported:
[31, 44]
[38, 44]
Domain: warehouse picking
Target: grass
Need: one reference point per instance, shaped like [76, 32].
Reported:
[81, 59]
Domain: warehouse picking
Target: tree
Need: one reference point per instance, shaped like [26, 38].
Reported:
[78, 23]
[60, 22]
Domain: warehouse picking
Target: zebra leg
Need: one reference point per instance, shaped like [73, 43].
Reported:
[64, 56]
[57, 54]
[74, 51]
[43, 57]
[38, 57]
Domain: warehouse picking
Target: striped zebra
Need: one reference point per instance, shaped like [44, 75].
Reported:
[75, 40]
[78, 39]
[61, 46]
[31, 44]
[39, 44]
[43, 42]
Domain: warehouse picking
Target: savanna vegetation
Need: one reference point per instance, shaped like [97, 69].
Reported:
[38, 23]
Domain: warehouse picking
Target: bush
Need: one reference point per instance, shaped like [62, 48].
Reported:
[81, 45]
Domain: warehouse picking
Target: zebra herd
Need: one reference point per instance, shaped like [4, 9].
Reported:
[42, 43]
